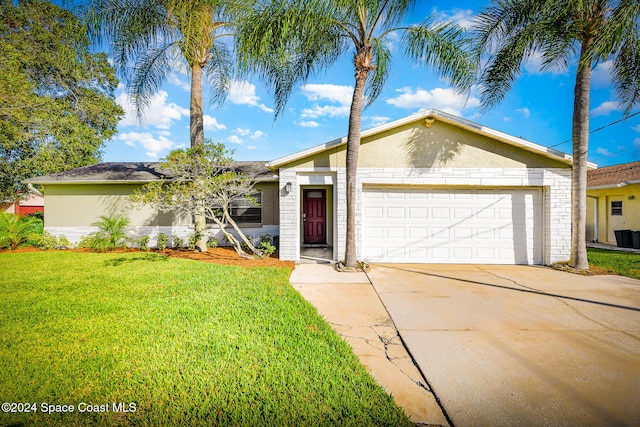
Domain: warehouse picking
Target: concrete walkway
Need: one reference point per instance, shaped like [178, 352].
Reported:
[513, 345]
[350, 304]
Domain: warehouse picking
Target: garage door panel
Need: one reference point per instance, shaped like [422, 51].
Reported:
[452, 226]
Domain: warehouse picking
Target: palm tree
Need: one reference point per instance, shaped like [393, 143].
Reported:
[150, 38]
[580, 32]
[288, 40]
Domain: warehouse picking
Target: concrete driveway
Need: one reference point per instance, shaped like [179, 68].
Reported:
[515, 345]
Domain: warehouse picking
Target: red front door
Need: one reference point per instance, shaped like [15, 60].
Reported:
[314, 216]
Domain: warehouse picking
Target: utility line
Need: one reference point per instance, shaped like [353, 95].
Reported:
[600, 128]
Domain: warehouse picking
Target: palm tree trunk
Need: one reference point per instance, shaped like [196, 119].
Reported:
[580, 136]
[353, 148]
[196, 133]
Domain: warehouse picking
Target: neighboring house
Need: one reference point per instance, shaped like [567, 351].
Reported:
[432, 188]
[613, 201]
[26, 205]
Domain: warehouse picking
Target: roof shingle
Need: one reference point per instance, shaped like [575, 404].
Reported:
[613, 175]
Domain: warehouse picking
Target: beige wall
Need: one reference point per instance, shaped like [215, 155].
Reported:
[440, 146]
[630, 219]
[80, 205]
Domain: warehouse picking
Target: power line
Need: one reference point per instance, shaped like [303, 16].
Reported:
[600, 128]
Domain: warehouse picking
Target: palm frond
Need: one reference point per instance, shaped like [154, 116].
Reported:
[443, 47]
[378, 77]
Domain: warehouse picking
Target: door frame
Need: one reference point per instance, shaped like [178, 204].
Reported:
[306, 191]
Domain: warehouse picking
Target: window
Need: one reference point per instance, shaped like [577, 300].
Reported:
[616, 208]
[245, 212]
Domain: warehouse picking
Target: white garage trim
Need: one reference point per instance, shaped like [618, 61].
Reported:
[453, 225]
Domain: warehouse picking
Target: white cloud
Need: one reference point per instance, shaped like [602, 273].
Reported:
[234, 139]
[333, 93]
[325, 111]
[601, 75]
[462, 17]
[637, 128]
[606, 108]
[603, 151]
[533, 65]
[244, 93]
[179, 80]
[158, 113]
[258, 134]
[446, 100]
[251, 147]
[524, 111]
[242, 132]
[210, 123]
[153, 145]
[308, 124]
[378, 120]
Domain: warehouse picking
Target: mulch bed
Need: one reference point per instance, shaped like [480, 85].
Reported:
[223, 256]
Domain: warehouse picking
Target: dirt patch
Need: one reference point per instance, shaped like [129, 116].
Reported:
[228, 256]
[223, 256]
[592, 271]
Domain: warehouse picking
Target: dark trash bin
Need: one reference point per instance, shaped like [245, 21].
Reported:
[635, 239]
[624, 238]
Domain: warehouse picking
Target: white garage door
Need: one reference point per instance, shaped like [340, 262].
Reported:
[497, 226]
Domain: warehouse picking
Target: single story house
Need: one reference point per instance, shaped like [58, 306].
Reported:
[432, 188]
[27, 204]
[613, 201]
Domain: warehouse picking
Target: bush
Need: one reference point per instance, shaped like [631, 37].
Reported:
[112, 234]
[178, 242]
[161, 241]
[212, 242]
[267, 248]
[143, 243]
[16, 231]
[49, 241]
[191, 242]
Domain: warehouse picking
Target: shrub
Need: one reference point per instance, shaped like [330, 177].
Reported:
[267, 248]
[161, 241]
[212, 242]
[178, 242]
[143, 243]
[112, 234]
[191, 242]
[16, 231]
[48, 241]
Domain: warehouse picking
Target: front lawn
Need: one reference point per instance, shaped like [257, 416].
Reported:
[616, 262]
[141, 339]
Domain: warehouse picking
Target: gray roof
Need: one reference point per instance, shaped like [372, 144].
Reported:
[134, 172]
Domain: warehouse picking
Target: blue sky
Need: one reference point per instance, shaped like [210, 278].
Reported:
[538, 108]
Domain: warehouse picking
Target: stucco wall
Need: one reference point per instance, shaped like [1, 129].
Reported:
[72, 209]
[630, 219]
[442, 145]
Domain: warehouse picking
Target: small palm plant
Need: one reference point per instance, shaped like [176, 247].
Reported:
[16, 230]
[112, 234]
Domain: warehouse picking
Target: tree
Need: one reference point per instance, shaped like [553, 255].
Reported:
[564, 32]
[151, 37]
[288, 40]
[56, 97]
[201, 180]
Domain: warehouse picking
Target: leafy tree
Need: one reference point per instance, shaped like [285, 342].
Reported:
[201, 181]
[564, 32]
[56, 97]
[151, 37]
[288, 40]
[16, 230]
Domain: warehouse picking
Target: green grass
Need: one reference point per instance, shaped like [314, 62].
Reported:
[188, 343]
[616, 262]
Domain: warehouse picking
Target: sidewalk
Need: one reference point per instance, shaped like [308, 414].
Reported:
[350, 304]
